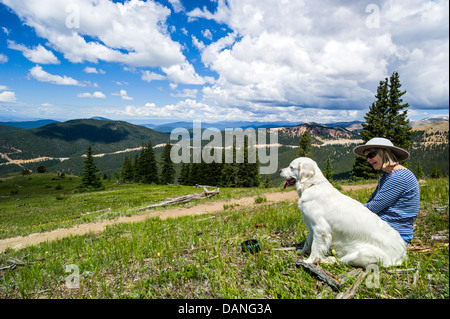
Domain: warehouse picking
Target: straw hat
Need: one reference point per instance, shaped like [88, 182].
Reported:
[380, 142]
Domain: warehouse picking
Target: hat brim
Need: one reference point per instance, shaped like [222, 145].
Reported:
[400, 153]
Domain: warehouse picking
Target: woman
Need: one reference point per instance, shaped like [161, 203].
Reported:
[396, 199]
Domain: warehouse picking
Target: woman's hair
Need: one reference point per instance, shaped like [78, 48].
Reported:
[389, 158]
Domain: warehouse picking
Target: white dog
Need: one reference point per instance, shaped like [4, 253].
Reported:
[340, 223]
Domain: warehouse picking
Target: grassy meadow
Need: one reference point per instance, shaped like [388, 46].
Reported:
[42, 202]
[193, 256]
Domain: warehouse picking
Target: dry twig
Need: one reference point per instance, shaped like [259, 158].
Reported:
[350, 293]
[184, 199]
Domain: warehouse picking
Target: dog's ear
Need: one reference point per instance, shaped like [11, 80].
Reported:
[306, 171]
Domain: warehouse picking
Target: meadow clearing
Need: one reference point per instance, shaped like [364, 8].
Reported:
[194, 256]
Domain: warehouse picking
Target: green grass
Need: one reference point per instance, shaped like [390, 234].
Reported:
[40, 202]
[200, 257]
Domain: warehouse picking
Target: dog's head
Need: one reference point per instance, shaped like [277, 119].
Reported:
[302, 172]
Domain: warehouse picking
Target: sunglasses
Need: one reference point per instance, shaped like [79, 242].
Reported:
[371, 155]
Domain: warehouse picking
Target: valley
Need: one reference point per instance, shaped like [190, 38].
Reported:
[61, 146]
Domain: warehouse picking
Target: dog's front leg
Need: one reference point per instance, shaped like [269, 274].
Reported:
[321, 242]
[306, 249]
[307, 245]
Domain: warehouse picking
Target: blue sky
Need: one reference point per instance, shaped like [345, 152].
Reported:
[213, 60]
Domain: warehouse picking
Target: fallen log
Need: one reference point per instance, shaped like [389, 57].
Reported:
[350, 293]
[13, 263]
[439, 239]
[184, 199]
[285, 248]
[322, 274]
[203, 186]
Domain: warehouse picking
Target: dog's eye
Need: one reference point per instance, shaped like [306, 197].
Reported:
[291, 167]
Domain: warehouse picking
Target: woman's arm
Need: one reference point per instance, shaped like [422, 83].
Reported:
[387, 194]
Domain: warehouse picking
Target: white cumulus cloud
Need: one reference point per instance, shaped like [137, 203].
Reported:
[7, 96]
[123, 94]
[313, 54]
[37, 54]
[40, 75]
[93, 70]
[97, 95]
[152, 76]
[133, 33]
[191, 93]
[184, 73]
[177, 6]
[3, 58]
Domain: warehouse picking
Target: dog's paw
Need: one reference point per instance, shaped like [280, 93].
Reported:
[329, 260]
[311, 261]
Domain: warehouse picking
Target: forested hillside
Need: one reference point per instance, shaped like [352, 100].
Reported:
[60, 146]
[71, 138]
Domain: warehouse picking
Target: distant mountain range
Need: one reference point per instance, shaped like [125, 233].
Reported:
[168, 127]
[28, 124]
[218, 125]
[71, 138]
[429, 120]
[61, 145]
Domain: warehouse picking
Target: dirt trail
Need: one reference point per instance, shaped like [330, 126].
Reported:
[205, 208]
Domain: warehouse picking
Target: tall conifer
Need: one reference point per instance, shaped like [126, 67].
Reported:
[91, 177]
[127, 169]
[387, 117]
[148, 170]
[305, 145]
[328, 172]
[167, 171]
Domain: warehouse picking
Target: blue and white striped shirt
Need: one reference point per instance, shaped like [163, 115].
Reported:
[396, 201]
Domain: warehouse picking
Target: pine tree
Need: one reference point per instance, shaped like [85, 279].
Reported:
[266, 182]
[419, 172]
[136, 168]
[214, 172]
[127, 173]
[305, 145]
[401, 133]
[196, 174]
[243, 174]
[229, 171]
[41, 169]
[184, 174]
[228, 175]
[211, 173]
[328, 173]
[167, 172]
[254, 167]
[91, 178]
[436, 173]
[361, 170]
[376, 118]
[148, 170]
[386, 118]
